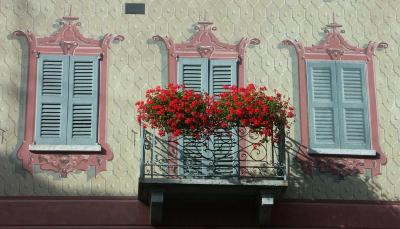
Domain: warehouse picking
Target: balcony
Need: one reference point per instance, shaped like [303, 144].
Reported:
[227, 166]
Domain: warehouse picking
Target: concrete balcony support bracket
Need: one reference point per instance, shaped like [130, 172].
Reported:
[156, 207]
[265, 208]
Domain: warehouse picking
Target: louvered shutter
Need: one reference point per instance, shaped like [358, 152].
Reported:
[193, 74]
[322, 105]
[83, 100]
[353, 109]
[225, 145]
[52, 100]
[222, 73]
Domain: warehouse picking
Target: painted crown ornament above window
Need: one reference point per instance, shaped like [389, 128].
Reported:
[205, 45]
[68, 39]
[335, 46]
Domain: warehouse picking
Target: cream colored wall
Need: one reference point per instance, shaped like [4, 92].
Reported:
[138, 64]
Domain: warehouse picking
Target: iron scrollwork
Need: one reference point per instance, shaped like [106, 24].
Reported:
[222, 155]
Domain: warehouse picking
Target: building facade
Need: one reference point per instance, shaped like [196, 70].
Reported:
[72, 71]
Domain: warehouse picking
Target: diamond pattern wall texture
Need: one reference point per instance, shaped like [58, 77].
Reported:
[138, 63]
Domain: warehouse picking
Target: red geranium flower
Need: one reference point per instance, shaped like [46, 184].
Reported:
[175, 110]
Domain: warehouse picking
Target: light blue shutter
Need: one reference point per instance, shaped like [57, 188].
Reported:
[193, 74]
[353, 109]
[222, 73]
[225, 146]
[52, 100]
[83, 100]
[322, 105]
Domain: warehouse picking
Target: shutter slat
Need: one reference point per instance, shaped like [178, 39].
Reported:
[223, 73]
[322, 105]
[224, 149]
[52, 99]
[338, 105]
[352, 84]
[193, 74]
[192, 158]
[354, 109]
[83, 107]
[354, 125]
[52, 77]
[224, 145]
[51, 121]
[324, 125]
[322, 83]
[83, 78]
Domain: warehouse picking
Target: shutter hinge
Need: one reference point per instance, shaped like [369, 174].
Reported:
[239, 60]
[101, 56]
[36, 53]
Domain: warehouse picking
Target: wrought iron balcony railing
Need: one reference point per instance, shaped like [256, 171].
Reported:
[224, 155]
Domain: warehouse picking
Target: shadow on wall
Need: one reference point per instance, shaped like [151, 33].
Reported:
[13, 179]
[320, 177]
[164, 61]
[336, 197]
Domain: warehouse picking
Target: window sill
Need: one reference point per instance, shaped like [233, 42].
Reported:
[65, 148]
[349, 152]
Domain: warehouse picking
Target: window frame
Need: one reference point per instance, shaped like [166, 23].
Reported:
[353, 150]
[204, 44]
[207, 86]
[46, 144]
[67, 41]
[334, 47]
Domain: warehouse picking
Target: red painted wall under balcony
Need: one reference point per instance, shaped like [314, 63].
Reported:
[128, 212]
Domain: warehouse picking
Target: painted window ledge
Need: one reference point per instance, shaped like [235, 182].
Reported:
[65, 148]
[351, 152]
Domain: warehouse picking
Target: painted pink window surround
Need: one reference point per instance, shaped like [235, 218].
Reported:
[67, 41]
[334, 47]
[204, 44]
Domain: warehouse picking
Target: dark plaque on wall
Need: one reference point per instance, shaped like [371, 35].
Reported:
[134, 8]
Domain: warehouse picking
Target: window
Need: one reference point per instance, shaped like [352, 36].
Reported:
[206, 64]
[338, 108]
[337, 103]
[65, 115]
[67, 101]
[210, 76]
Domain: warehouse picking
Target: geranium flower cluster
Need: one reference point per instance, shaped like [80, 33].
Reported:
[252, 108]
[175, 110]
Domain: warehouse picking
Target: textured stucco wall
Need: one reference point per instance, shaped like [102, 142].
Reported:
[138, 63]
